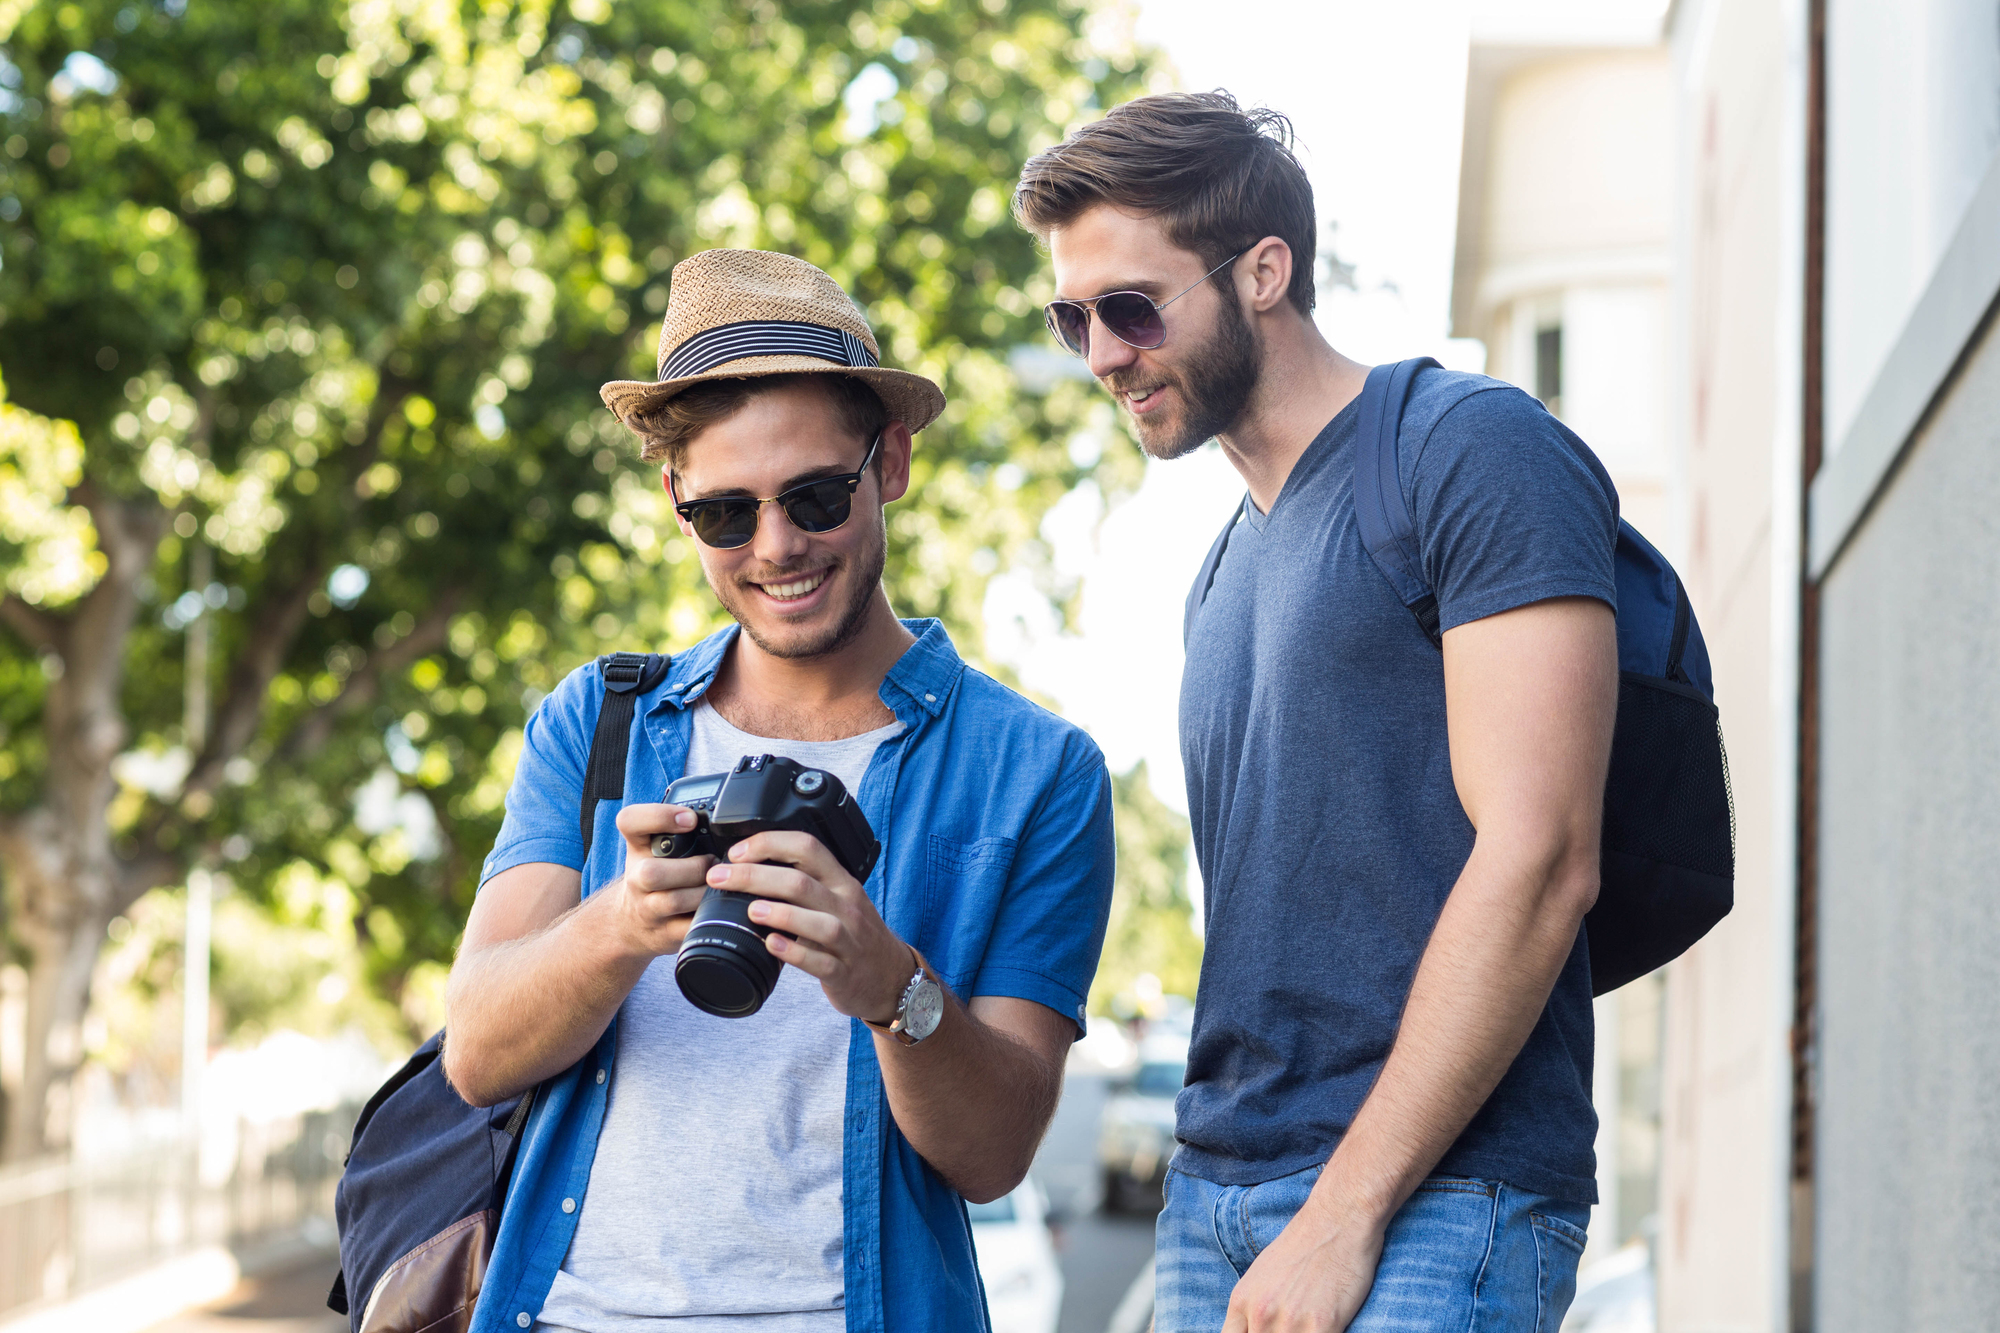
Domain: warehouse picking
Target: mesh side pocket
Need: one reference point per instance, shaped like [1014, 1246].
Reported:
[1667, 798]
[1728, 788]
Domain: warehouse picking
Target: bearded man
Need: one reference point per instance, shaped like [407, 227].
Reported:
[803, 1169]
[1387, 1120]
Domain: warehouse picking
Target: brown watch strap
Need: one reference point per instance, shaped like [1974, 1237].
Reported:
[890, 1029]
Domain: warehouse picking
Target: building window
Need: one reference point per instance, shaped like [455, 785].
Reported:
[1549, 367]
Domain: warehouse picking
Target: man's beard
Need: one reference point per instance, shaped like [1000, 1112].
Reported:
[1215, 387]
[853, 617]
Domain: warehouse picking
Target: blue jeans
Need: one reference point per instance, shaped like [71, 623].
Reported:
[1470, 1256]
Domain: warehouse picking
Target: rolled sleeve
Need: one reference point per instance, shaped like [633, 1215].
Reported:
[1050, 927]
[543, 801]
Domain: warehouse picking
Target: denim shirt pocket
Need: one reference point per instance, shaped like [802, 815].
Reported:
[964, 882]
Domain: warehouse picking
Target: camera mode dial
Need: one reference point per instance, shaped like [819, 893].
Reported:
[809, 783]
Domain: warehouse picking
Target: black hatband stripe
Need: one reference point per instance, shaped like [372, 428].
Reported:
[732, 342]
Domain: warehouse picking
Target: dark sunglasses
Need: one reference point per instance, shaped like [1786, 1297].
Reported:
[1131, 317]
[730, 521]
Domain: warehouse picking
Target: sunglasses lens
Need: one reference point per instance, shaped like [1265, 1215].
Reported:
[818, 506]
[1133, 318]
[723, 524]
[1071, 325]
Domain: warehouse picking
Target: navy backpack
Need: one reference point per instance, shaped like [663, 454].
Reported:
[1668, 866]
[418, 1206]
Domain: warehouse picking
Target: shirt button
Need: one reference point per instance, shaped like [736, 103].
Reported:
[600, 1076]
[569, 1205]
[522, 1319]
[930, 698]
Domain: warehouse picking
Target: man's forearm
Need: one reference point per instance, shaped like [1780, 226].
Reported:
[523, 1009]
[1483, 983]
[971, 1099]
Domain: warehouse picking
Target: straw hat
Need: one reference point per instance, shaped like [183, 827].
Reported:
[738, 313]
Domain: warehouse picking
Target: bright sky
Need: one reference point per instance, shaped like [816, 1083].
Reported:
[1376, 93]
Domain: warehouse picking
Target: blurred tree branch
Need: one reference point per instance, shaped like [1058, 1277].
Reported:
[364, 685]
[274, 626]
[36, 627]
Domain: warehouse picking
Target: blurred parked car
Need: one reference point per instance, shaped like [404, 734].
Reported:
[1017, 1260]
[1136, 1137]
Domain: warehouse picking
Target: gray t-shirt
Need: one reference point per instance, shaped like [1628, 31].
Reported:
[1320, 786]
[714, 1201]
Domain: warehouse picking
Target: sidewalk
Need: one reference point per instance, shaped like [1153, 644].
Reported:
[287, 1299]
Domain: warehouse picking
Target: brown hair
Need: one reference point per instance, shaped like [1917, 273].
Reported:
[666, 431]
[1220, 178]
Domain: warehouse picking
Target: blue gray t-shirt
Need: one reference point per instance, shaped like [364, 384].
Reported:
[1319, 781]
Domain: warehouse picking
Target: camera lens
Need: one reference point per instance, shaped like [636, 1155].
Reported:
[723, 967]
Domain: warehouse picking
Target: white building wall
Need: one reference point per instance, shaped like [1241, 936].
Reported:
[1908, 1054]
[1581, 167]
[1614, 391]
[1573, 233]
[1913, 119]
[1898, 1235]
[1908, 1161]
[1722, 1252]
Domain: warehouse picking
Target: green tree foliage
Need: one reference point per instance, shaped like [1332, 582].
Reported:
[1152, 921]
[327, 292]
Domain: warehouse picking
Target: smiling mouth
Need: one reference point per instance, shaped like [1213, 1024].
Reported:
[1139, 397]
[793, 589]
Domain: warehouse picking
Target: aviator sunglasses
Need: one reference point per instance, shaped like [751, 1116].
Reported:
[1131, 317]
[729, 521]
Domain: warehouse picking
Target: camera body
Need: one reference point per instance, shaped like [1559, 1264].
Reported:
[723, 967]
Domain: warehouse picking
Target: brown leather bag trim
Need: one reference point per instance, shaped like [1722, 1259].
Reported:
[434, 1287]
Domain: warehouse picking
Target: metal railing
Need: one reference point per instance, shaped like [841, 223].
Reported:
[69, 1224]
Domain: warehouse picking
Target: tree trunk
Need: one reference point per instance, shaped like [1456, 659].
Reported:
[65, 882]
[62, 929]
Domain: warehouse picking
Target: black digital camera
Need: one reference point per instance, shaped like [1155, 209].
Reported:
[723, 967]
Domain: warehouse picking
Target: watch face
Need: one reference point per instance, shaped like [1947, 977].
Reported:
[926, 1009]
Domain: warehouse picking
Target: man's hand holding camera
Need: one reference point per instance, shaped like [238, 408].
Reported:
[655, 899]
[830, 928]
[839, 936]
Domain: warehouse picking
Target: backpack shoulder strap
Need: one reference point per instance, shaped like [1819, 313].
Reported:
[1206, 578]
[1380, 508]
[626, 676]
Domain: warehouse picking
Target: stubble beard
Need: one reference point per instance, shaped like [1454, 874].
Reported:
[853, 616]
[1215, 387]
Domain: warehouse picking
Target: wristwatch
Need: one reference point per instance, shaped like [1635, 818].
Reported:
[919, 1011]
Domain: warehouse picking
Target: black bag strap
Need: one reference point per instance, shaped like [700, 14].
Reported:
[1677, 646]
[1380, 508]
[626, 677]
[1206, 578]
[503, 1169]
[420, 1060]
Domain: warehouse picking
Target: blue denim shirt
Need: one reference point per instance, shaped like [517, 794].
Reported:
[995, 822]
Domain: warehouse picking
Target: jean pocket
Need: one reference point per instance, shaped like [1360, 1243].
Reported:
[1267, 1208]
[1558, 1246]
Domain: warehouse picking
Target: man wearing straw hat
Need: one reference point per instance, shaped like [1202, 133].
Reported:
[802, 1169]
